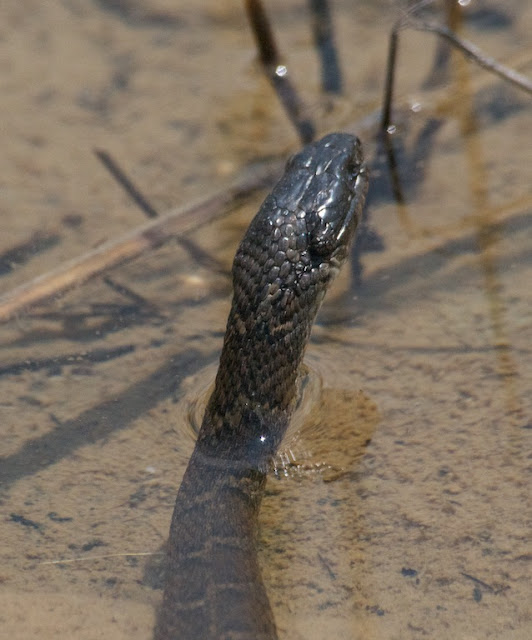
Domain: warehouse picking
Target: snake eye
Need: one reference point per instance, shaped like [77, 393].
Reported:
[321, 247]
[323, 238]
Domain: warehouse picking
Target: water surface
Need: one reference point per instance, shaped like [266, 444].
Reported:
[422, 532]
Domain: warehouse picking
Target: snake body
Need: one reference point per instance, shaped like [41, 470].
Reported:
[291, 251]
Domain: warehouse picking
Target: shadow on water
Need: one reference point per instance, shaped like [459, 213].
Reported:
[99, 422]
[400, 508]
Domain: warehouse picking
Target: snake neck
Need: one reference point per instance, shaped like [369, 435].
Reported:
[256, 387]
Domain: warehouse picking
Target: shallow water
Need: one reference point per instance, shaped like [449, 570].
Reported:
[423, 532]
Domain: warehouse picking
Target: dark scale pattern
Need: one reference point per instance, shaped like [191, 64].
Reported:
[293, 248]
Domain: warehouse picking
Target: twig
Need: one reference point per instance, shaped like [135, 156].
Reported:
[440, 66]
[127, 292]
[112, 166]
[391, 63]
[472, 52]
[276, 71]
[486, 586]
[323, 31]
[130, 245]
[197, 253]
[389, 81]
[102, 557]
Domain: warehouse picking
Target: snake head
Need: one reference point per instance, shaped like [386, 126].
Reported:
[333, 199]
[302, 233]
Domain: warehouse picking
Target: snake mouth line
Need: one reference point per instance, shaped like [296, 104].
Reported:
[351, 220]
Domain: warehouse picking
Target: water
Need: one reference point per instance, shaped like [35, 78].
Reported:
[424, 531]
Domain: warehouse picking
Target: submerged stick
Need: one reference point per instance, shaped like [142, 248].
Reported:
[129, 245]
[276, 71]
[473, 53]
[323, 32]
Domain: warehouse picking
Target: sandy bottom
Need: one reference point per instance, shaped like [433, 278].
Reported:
[400, 506]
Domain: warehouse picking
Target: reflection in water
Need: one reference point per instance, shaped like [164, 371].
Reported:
[420, 533]
[484, 217]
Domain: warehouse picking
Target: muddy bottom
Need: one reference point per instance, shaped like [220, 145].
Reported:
[400, 505]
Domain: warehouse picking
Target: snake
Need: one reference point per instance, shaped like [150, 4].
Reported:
[290, 253]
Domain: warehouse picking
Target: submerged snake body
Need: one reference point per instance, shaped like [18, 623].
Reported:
[291, 251]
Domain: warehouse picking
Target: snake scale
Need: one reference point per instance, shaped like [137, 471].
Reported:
[293, 248]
